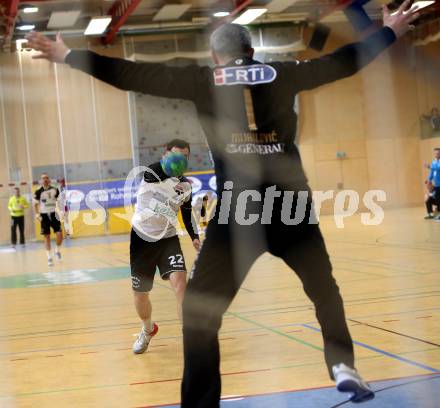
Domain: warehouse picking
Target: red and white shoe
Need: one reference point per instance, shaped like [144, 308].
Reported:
[141, 344]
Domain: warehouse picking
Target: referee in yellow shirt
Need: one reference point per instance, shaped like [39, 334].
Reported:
[16, 206]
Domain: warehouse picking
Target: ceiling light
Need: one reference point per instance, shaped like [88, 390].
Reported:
[277, 6]
[249, 15]
[418, 5]
[422, 4]
[63, 19]
[26, 27]
[221, 14]
[171, 12]
[29, 10]
[98, 25]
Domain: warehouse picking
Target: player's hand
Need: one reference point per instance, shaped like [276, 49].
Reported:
[54, 51]
[400, 21]
[197, 244]
[428, 166]
[38, 217]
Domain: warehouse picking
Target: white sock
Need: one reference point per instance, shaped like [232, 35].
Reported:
[49, 255]
[58, 249]
[148, 325]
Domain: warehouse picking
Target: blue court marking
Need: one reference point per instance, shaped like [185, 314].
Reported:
[385, 353]
[411, 392]
[72, 242]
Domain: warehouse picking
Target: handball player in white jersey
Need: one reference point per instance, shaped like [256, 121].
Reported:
[154, 243]
[45, 206]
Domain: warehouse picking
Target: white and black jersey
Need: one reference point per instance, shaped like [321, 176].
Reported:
[159, 199]
[47, 199]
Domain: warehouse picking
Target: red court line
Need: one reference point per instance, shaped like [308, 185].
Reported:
[89, 352]
[158, 345]
[155, 382]
[423, 317]
[298, 390]
[227, 338]
[179, 379]
[246, 372]
[397, 333]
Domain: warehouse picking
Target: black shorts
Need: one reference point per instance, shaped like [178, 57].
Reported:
[49, 221]
[165, 254]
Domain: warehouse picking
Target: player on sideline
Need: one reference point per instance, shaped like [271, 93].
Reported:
[154, 242]
[434, 179]
[45, 205]
[16, 206]
[245, 108]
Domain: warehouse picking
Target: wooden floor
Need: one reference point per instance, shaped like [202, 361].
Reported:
[66, 334]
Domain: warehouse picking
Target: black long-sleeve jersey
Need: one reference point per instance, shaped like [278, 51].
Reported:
[245, 107]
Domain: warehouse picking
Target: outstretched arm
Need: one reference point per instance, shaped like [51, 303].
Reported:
[148, 78]
[350, 59]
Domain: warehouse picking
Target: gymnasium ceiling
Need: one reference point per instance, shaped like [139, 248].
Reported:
[54, 15]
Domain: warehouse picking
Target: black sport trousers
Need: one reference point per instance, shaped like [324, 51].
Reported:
[433, 200]
[223, 263]
[17, 222]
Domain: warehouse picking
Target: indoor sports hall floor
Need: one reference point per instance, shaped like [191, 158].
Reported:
[66, 333]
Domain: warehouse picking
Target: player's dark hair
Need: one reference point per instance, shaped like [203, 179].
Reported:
[180, 143]
[232, 40]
